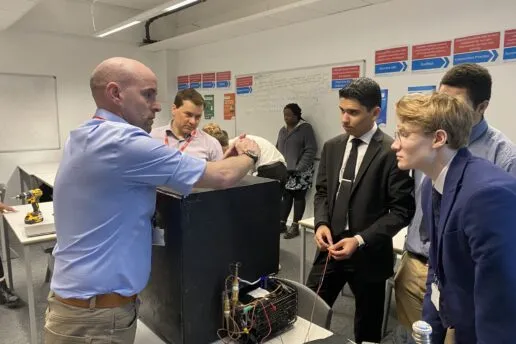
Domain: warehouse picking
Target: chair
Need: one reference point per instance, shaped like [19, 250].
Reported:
[389, 286]
[306, 297]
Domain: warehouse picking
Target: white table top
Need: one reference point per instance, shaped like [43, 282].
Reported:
[39, 168]
[47, 178]
[17, 224]
[295, 335]
[398, 241]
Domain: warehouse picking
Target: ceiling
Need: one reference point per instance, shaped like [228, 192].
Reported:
[208, 21]
[134, 4]
[11, 11]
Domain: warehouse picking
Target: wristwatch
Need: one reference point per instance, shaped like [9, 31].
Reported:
[252, 155]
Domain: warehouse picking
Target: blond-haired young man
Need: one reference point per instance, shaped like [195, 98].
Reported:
[468, 209]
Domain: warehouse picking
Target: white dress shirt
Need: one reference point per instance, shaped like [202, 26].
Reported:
[361, 150]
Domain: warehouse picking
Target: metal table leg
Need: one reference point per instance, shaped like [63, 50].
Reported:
[30, 295]
[302, 255]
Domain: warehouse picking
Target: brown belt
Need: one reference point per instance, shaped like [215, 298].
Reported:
[419, 257]
[112, 300]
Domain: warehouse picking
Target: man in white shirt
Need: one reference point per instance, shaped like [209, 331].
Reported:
[271, 163]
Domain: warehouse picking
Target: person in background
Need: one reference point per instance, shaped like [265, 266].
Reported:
[472, 83]
[104, 199]
[182, 132]
[7, 297]
[271, 163]
[468, 211]
[296, 141]
[362, 200]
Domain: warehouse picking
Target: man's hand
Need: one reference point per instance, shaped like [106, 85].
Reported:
[344, 249]
[6, 208]
[323, 238]
[245, 144]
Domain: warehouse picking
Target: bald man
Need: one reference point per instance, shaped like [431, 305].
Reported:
[104, 198]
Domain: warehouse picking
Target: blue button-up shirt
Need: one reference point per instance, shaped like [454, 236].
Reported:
[485, 142]
[104, 198]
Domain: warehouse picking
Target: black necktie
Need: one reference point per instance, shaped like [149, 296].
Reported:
[340, 209]
[436, 207]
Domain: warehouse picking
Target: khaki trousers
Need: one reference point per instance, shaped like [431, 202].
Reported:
[65, 324]
[409, 291]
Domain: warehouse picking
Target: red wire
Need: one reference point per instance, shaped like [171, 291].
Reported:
[315, 298]
[270, 326]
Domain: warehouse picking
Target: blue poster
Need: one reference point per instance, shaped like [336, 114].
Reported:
[422, 89]
[382, 118]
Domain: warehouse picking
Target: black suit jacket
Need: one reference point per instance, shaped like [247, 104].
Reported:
[381, 201]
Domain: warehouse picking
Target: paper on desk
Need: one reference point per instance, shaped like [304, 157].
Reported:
[158, 236]
[258, 293]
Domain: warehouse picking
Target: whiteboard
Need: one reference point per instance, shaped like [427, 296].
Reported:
[28, 113]
[261, 112]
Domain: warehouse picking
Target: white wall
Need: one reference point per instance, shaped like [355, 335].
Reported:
[71, 60]
[355, 35]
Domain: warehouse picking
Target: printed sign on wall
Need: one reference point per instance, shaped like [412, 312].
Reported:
[382, 118]
[182, 82]
[208, 80]
[244, 84]
[209, 106]
[431, 56]
[509, 45]
[476, 49]
[195, 80]
[389, 61]
[229, 106]
[223, 79]
[342, 76]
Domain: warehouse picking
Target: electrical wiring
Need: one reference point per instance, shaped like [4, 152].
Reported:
[268, 321]
[315, 297]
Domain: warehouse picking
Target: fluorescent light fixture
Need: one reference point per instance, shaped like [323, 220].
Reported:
[169, 6]
[119, 28]
[180, 4]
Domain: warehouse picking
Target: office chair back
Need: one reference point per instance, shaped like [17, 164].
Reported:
[306, 297]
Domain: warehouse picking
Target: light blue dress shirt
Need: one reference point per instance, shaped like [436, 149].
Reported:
[104, 198]
[485, 142]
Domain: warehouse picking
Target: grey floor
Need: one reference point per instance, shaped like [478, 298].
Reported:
[14, 324]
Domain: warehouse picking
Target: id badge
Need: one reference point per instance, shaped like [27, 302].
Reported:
[435, 296]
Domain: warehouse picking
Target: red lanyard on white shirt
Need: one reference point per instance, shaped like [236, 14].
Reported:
[187, 141]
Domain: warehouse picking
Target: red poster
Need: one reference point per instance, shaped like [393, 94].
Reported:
[424, 51]
[195, 78]
[391, 55]
[348, 72]
[482, 42]
[510, 38]
[223, 76]
[182, 79]
[244, 81]
[208, 77]
[229, 106]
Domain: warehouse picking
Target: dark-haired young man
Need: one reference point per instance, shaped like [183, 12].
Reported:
[472, 83]
[362, 200]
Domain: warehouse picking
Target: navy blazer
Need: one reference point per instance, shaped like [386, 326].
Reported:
[473, 253]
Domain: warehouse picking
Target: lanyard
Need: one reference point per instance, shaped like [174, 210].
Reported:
[98, 117]
[187, 141]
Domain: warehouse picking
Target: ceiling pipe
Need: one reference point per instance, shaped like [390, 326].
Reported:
[147, 39]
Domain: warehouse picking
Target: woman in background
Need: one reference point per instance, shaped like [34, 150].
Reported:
[296, 141]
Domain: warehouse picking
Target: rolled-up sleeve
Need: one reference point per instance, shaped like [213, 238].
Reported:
[148, 161]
